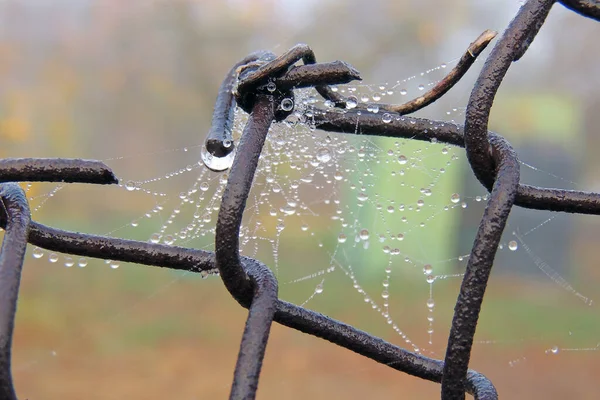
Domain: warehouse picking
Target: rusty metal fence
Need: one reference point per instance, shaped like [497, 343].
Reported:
[262, 85]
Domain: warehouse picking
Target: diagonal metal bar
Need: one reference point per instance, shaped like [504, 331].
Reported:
[377, 349]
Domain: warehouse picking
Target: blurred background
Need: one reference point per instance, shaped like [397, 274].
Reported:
[133, 83]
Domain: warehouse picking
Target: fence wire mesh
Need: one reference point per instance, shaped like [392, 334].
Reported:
[260, 84]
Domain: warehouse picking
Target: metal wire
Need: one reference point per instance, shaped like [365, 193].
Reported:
[250, 282]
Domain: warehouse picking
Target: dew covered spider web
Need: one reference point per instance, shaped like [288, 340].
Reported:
[382, 226]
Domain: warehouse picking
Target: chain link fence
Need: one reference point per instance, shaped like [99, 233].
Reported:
[260, 84]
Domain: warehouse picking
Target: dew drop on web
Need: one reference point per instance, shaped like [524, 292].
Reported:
[217, 163]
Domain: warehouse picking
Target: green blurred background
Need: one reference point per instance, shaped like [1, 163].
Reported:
[133, 83]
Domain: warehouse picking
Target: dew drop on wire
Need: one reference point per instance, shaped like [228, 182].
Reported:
[387, 118]
[512, 245]
[421, 87]
[342, 238]
[53, 257]
[430, 304]
[82, 262]
[69, 262]
[427, 269]
[271, 87]
[374, 108]
[455, 198]
[351, 102]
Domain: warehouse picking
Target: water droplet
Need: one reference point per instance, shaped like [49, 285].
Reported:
[288, 209]
[374, 108]
[324, 155]
[338, 176]
[280, 227]
[351, 102]
[364, 234]
[37, 252]
[387, 118]
[53, 257]
[82, 262]
[455, 198]
[430, 303]
[512, 245]
[169, 239]
[319, 288]
[304, 227]
[155, 238]
[385, 294]
[342, 238]
[403, 92]
[362, 196]
[427, 269]
[287, 104]
[271, 86]
[130, 185]
[69, 262]
[216, 163]
[430, 278]
[204, 186]
[421, 87]
[376, 97]
[402, 159]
